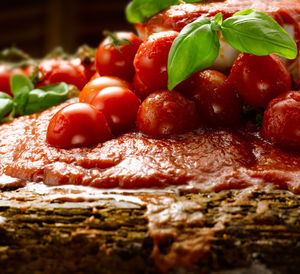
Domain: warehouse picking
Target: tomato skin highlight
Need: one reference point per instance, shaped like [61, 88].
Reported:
[54, 71]
[281, 121]
[110, 62]
[259, 79]
[166, 112]
[217, 102]
[151, 60]
[76, 125]
[119, 105]
[97, 84]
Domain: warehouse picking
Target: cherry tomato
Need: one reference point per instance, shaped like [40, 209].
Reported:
[259, 79]
[119, 105]
[95, 85]
[151, 59]
[166, 112]
[86, 55]
[5, 74]
[87, 67]
[78, 124]
[53, 71]
[281, 120]
[140, 89]
[111, 62]
[216, 101]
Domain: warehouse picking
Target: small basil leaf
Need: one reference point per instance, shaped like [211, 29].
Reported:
[18, 82]
[46, 97]
[20, 101]
[138, 11]
[219, 18]
[6, 104]
[195, 48]
[4, 95]
[258, 34]
[244, 12]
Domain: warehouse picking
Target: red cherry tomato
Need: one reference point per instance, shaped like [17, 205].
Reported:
[281, 121]
[110, 62]
[119, 105]
[151, 59]
[76, 125]
[5, 74]
[259, 79]
[140, 89]
[95, 85]
[53, 71]
[216, 101]
[87, 67]
[166, 112]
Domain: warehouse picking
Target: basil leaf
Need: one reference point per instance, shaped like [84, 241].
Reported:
[6, 104]
[257, 33]
[219, 18]
[195, 48]
[217, 22]
[4, 95]
[138, 11]
[20, 101]
[244, 12]
[18, 82]
[46, 97]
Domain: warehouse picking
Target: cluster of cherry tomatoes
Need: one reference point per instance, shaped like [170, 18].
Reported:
[74, 70]
[128, 90]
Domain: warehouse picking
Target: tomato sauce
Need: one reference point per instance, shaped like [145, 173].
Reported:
[207, 160]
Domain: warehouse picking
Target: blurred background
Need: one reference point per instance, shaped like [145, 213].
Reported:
[38, 26]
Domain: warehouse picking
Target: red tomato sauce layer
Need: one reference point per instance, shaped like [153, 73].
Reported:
[211, 160]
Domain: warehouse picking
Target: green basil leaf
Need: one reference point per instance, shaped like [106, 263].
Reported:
[6, 104]
[20, 101]
[4, 95]
[217, 22]
[257, 33]
[244, 12]
[46, 97]
[19, 82]
[219, 18]
[138, 11]
[195, 48]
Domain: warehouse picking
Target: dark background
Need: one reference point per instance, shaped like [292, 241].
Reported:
[38, 26]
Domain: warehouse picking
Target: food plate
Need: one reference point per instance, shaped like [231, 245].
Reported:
[220, 200]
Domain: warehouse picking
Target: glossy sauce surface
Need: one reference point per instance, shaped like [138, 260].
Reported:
[210, 160]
